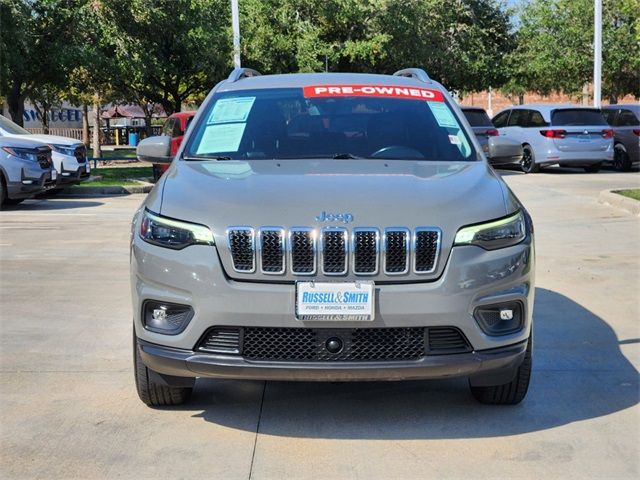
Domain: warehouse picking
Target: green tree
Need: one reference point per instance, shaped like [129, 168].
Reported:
[555, 48]
[34, 55]
[460, 42]
[167, 51]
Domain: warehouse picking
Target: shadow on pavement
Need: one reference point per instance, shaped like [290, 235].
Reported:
[579, 374]
[515, 170]
[39, 204]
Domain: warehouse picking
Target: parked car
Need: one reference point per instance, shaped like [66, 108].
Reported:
[26, 169]
[625, 120]
[330, 226]
[68, 154]
[175, 127]
[499, 151]
[567, 135]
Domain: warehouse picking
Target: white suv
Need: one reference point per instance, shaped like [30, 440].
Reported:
[68, 154]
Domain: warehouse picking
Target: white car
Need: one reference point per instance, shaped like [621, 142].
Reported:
[565, 135]
[69, 155]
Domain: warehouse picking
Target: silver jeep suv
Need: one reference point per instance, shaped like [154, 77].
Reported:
[330, 227]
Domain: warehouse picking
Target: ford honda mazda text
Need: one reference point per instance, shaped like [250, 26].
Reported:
[330, 227]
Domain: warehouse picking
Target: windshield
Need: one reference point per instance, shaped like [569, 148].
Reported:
[345, 121]
[9, 127]
[578, 117]
[477, 118]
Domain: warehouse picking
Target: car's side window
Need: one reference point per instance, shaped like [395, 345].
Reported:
[500, 120]
[627, 119]
[167, 128]
[518, 118]
[176, 131]
[609, 115]
[536, 119]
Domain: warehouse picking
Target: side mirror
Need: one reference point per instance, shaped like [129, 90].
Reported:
[155, 149]
[503, 151]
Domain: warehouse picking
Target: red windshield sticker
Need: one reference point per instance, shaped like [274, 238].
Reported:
[390, 91]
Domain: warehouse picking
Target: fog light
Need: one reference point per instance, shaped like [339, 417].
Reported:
[160, 314]
[500, 319]
[166, 318]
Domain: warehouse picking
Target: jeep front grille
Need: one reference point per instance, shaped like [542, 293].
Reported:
[272, 250]
[309, 344]
[242, 246]
[334, 250]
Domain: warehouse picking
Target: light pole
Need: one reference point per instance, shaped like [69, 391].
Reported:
[235, 25]
[597, 54]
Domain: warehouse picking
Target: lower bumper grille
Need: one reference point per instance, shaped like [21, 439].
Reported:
[312, 344]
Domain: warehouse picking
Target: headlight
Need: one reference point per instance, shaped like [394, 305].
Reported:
[175, 234]
[496, 234]
[64, 149]
[23, 153]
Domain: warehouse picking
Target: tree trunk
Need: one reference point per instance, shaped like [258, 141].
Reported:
[521, 99]
[97, 151]
[148, 130]
[45, 119]
[85, 125]
[613, 99]
[15, 100]
[42, 110]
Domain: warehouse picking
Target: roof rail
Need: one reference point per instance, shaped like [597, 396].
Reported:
[417, 73]
[240, 73]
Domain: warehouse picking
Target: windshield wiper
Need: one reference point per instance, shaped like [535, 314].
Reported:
[204, 159]
[345, 156]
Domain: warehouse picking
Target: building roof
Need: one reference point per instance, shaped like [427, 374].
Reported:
[131, 111]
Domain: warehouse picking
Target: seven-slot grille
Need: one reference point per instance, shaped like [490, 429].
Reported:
[310, 344]
[334, 251]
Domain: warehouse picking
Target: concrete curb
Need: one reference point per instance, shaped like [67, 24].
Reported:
[111, 190]
[609, 197]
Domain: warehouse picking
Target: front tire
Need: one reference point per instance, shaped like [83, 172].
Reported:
[621, 160]
[151, 393]
[510, 393]
[528, 163]
[3, 192]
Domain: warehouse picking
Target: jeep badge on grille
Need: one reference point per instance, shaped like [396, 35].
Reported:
[335, 217]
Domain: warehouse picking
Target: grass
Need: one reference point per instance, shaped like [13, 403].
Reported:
[631, 193]
[118, 176]
[114, 153]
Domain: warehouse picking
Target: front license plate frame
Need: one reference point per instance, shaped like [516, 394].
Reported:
[337, 301]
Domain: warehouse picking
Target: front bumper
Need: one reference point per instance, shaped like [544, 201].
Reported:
[32, 182]
[495, 366]
[194, 276]
[75, 175]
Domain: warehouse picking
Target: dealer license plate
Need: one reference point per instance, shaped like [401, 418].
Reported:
[343, 301]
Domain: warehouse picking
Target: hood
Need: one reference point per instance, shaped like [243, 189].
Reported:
[374, 193]
[19, 141]
[54, 139]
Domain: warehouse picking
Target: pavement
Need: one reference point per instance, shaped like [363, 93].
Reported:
[68, 407]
